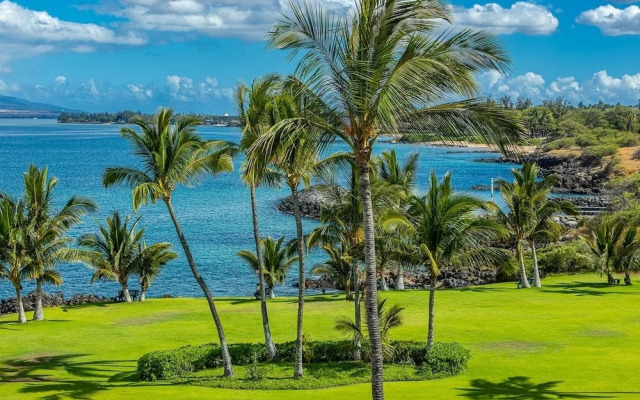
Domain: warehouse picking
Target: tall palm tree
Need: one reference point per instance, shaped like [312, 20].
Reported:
[149, 262]
[171, 156]
[46, 243]
[113, 252]
[277, 259]
[296, 159]
[447, 231]
[13, 255]
[253, 104]
[388, 68]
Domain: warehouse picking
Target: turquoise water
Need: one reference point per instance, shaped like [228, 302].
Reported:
[215, 216]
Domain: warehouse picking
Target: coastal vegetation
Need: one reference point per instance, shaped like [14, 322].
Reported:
[128, 117]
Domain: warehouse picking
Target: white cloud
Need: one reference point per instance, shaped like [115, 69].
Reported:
[26, 33]
[601, 86]
[184, 89]
[141, 92]
[521, 17]
[613, 21]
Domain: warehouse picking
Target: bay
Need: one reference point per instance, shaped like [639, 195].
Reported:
[215, 215]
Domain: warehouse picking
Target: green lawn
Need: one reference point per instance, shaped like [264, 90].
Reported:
[576, 338]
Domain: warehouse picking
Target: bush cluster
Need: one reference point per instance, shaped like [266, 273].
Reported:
[444, 359]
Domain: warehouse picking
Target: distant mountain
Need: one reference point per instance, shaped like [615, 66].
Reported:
[13, 107]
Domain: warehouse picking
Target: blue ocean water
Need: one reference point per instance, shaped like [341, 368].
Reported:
[215, 216]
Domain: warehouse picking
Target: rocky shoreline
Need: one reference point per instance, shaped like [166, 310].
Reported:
[10, 306]
[311, 200]
[577, 176]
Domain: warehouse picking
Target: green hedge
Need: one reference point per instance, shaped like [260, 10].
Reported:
[444, 359]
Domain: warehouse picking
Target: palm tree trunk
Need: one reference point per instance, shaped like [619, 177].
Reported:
[272, 295]
[22, 318]
[627, 278]
[383, 282]
[432, 304]
[143, 294]
[400, 279]
[38, 311]
[226, 358]
[536, 271]
[268, 339]
[357, 345]
[375, 339]
[125, 292]
[523, 271]
[298, 372]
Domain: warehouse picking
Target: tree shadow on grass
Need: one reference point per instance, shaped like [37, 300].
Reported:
[89, 377]
[583, 289]
[522, 388]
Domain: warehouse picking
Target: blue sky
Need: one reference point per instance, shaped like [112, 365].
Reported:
[140, 54]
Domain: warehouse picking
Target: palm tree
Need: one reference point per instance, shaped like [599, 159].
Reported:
[448, 232]
[388, 68]
[388, 318]
[113, 252]
[172, 156]
[338, 267]
[149, 262]
[13, 256]
[45, 242]
[542, 209]
[616, 247]
[278, 258]
[253, 104]
[296, 159]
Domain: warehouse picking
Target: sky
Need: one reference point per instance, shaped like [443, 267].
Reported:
[109, 55]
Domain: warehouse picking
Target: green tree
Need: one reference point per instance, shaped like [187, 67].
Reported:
[45, 241]
[149, 262]
[446, 232]
[296, 158]
[113, 252]
[172, 156]
[277, 259]
[388, 69]
[254, 104]
[616, 246]
[13, 256]
[337, 268]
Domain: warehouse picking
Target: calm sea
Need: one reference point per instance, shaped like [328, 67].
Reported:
[215, 216]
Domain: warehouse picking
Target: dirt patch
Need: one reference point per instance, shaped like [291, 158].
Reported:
[602, 333]
[150, 319]
[516, 346]
[627, 164]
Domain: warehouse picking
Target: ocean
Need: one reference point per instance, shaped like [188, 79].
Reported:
[215, 216]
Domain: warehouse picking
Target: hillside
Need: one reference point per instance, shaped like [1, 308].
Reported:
[13, 107]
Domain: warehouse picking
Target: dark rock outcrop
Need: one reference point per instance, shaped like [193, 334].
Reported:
[312, 201]
[9, 306]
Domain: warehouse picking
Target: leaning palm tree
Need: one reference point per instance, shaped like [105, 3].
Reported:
[253, 104]
[13, 255]
[45, 242]
[113, 252]
[171, 156]
[278, 257]
[149, 262]
[390, 67]
[448, 232]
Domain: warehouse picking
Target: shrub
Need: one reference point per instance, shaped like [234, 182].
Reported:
[570, 258]
[443, 360]
[593, 155]
[636, 155]
[565, 143]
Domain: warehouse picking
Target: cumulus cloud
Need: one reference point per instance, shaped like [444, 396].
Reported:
[613, 21]
[25, 33]
[523, 17]
[600, 86]
[184, 89]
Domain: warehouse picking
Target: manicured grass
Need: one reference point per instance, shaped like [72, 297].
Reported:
[576, 338]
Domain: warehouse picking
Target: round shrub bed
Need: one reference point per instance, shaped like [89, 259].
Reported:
[330, 363]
